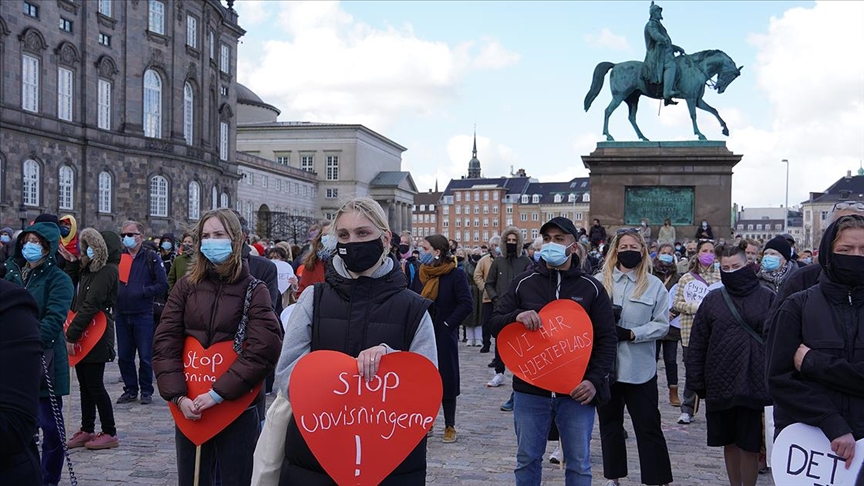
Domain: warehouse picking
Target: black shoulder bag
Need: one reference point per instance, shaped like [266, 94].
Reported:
[738, 317]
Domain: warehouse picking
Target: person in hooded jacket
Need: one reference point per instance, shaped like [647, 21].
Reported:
[181, 263]
[314, 265]
[474, 322]
[704, 232]
[33, 267]
[666, 270]
[726, 363]
[777, 263]
[96, 276]
[815, 345]
[362, 309]
[6, 248]
[69, 233]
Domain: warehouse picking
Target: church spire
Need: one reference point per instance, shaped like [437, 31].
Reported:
[474, 164]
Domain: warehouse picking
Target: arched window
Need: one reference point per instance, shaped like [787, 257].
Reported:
[104, 192]
[159, 196]
[188, 113]
[214, 198]
[32, 182]
[194, 201]
[66, 182]
[223, 200]
[152, 104]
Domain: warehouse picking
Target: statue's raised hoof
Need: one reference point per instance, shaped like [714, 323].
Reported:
[725, 131]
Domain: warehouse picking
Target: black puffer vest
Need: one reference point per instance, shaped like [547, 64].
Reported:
[351, 315]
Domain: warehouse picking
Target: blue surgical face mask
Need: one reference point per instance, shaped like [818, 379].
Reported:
[129, 241]
[497, 251]
[32, 252]
[328, 242]
[216, 250]
[167, 245]
[554, 254]
[89, 253]
[770, 262]
[5, 238]
[666, 258]
[716, 266]
[808, 261]
[537, 255]
[426, 257]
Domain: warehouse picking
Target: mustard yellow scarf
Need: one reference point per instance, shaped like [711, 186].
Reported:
[429, 276]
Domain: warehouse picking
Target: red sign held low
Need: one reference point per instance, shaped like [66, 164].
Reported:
[359, 430]
[91, 335]
[555, 356]
[203, 367]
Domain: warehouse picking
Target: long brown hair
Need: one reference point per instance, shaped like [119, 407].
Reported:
[642, 271]
[311, 258]
[231, 268]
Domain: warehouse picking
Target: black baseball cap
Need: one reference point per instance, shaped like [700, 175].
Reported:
[561, 223]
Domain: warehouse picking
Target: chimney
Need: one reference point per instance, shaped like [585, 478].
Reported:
[848, 174]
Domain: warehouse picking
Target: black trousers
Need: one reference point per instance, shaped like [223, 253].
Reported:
[670, 359]
[94, 396]
[641, 401]
[232, 449]
[487, 332]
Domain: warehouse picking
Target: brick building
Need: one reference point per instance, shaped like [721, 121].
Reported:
[115, 110]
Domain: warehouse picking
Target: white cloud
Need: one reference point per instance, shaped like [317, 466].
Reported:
[252, 12]
[607, 39]
[336, 68]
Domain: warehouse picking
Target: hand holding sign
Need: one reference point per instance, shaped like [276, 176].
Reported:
[555, 356]
[803, 456]
[360, 430]
[89, 338]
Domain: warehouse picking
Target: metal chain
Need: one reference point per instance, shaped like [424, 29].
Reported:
[58, 420]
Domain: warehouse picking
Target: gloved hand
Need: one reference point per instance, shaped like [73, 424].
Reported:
[623, 334]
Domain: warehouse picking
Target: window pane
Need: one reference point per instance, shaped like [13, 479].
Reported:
[64, 94]
[104, 100]
[188, 111]
[104, 192]
[158, 196]
[192, 32]
[152, 104]
[157, 17]
[194, 200]
[66, 187]
[30, 83]
[223, 140]
[31, 183]
[105, 7]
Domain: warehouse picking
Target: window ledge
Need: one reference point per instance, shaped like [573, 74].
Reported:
[106, 20]
[157, 37]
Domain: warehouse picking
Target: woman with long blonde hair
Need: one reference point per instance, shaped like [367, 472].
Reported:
[641, 305]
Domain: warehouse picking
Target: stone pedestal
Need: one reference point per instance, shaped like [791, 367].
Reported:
[687, 182]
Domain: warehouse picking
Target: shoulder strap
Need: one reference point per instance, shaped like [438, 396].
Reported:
[738, 317]
[240, 336]
[316, 302]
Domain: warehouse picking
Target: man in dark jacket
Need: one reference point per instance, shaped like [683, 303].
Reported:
[134, 321]
[815, 361]
[261, 268]
[558, 276]
[597, 234]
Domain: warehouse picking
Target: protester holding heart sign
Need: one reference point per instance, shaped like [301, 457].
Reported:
[362, 309]
[208, 308]
[644, 319]
[558, 276]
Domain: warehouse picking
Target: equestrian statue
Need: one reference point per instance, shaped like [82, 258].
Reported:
[663, 75]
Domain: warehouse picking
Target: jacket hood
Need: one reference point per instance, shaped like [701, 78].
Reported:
[114, 244]
[73, 229]
[47, 231]
[511, 230]
[826, 252]
[90, 238]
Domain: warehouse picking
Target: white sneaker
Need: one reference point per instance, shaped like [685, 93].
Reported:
[496, 380]
[555, 457]
[685, 418]
[612, 482]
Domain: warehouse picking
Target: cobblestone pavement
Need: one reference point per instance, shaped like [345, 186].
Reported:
[484, 454]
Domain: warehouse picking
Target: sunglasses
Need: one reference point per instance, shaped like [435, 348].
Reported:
[626, 231]
[124, 235]
[858, 206]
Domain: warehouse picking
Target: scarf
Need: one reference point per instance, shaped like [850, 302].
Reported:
[429, 276]
[776, 276]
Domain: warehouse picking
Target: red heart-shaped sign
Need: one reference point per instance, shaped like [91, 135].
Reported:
[361, 431]
[203, 367]
[92, 334]
[555, 356]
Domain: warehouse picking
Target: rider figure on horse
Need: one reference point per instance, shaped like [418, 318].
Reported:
[659, 66]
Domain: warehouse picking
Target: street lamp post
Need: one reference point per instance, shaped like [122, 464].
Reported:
[786, 207]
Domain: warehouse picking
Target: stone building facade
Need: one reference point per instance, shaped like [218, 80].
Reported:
[115, 110]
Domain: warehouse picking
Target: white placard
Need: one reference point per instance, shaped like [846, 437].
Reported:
[802, 456]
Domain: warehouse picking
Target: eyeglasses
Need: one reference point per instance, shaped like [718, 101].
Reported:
[129, 234]
[625, 231]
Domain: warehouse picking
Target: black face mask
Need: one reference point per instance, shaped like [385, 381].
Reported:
[847, 270]
[64, 231]
[511, 248]
[460, 259]
[475, 258]
[629, 259]
[404, 249]
[362, 255]
[740, 281]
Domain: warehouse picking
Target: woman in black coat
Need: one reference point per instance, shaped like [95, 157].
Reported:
[726, 362]
[447, 287]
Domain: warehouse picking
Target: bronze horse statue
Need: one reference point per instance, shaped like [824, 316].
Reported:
[695, 71]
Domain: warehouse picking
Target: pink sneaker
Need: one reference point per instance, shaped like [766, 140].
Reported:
[79, 439]
[102, 441]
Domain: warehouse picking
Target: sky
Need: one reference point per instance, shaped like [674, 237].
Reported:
[424, 74]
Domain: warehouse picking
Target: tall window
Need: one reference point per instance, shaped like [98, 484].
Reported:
[104, 192]
[192, 32]
[157, 17]
[104, 119]
[194, 201]
[224, 58]
[212, 44]
[159, 196]
[105, 7]
[64, 94]
[29, 83]
[31, 181]
[66, 183]
[223, 140]
[223, 200]
[152, 104]
[307, 163]
[214, 198]
[332, 168]
[188, 110]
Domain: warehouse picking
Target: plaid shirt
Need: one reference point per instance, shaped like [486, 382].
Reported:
[691, 291]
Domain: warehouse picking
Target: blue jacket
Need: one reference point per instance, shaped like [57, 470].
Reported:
[136, 295]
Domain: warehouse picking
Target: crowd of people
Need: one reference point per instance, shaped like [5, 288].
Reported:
[750, 317]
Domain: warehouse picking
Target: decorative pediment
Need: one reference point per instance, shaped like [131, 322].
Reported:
[33, 40]
[226, 112]
[156, 59]
[107, 67]
[67, 54]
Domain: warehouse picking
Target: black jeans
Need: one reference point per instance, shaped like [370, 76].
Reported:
[670, 359]
[690, 403]
[449, 405]
[641, 401]
[486, 310]
[232, 449]
[93, 395]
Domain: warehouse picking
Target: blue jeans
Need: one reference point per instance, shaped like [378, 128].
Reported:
[135, 333]
[52, 448]
[533, 416]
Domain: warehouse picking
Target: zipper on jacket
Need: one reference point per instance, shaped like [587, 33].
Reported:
[850, 297]
[213, 314]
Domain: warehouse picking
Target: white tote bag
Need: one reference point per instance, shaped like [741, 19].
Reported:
[270, 450]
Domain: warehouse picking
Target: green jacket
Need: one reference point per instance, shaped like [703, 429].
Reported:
[53, 291]
[178, 269]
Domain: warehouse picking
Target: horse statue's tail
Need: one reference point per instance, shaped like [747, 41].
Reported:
[596, 85]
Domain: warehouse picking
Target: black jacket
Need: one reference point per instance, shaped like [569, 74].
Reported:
[534, 289]
[828, 392]
[265, 271]
[596, 234]
[726, 364]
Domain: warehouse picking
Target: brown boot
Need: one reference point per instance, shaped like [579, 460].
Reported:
[673, 396]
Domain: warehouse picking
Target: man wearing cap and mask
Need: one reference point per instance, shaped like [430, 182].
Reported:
[558, 275]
